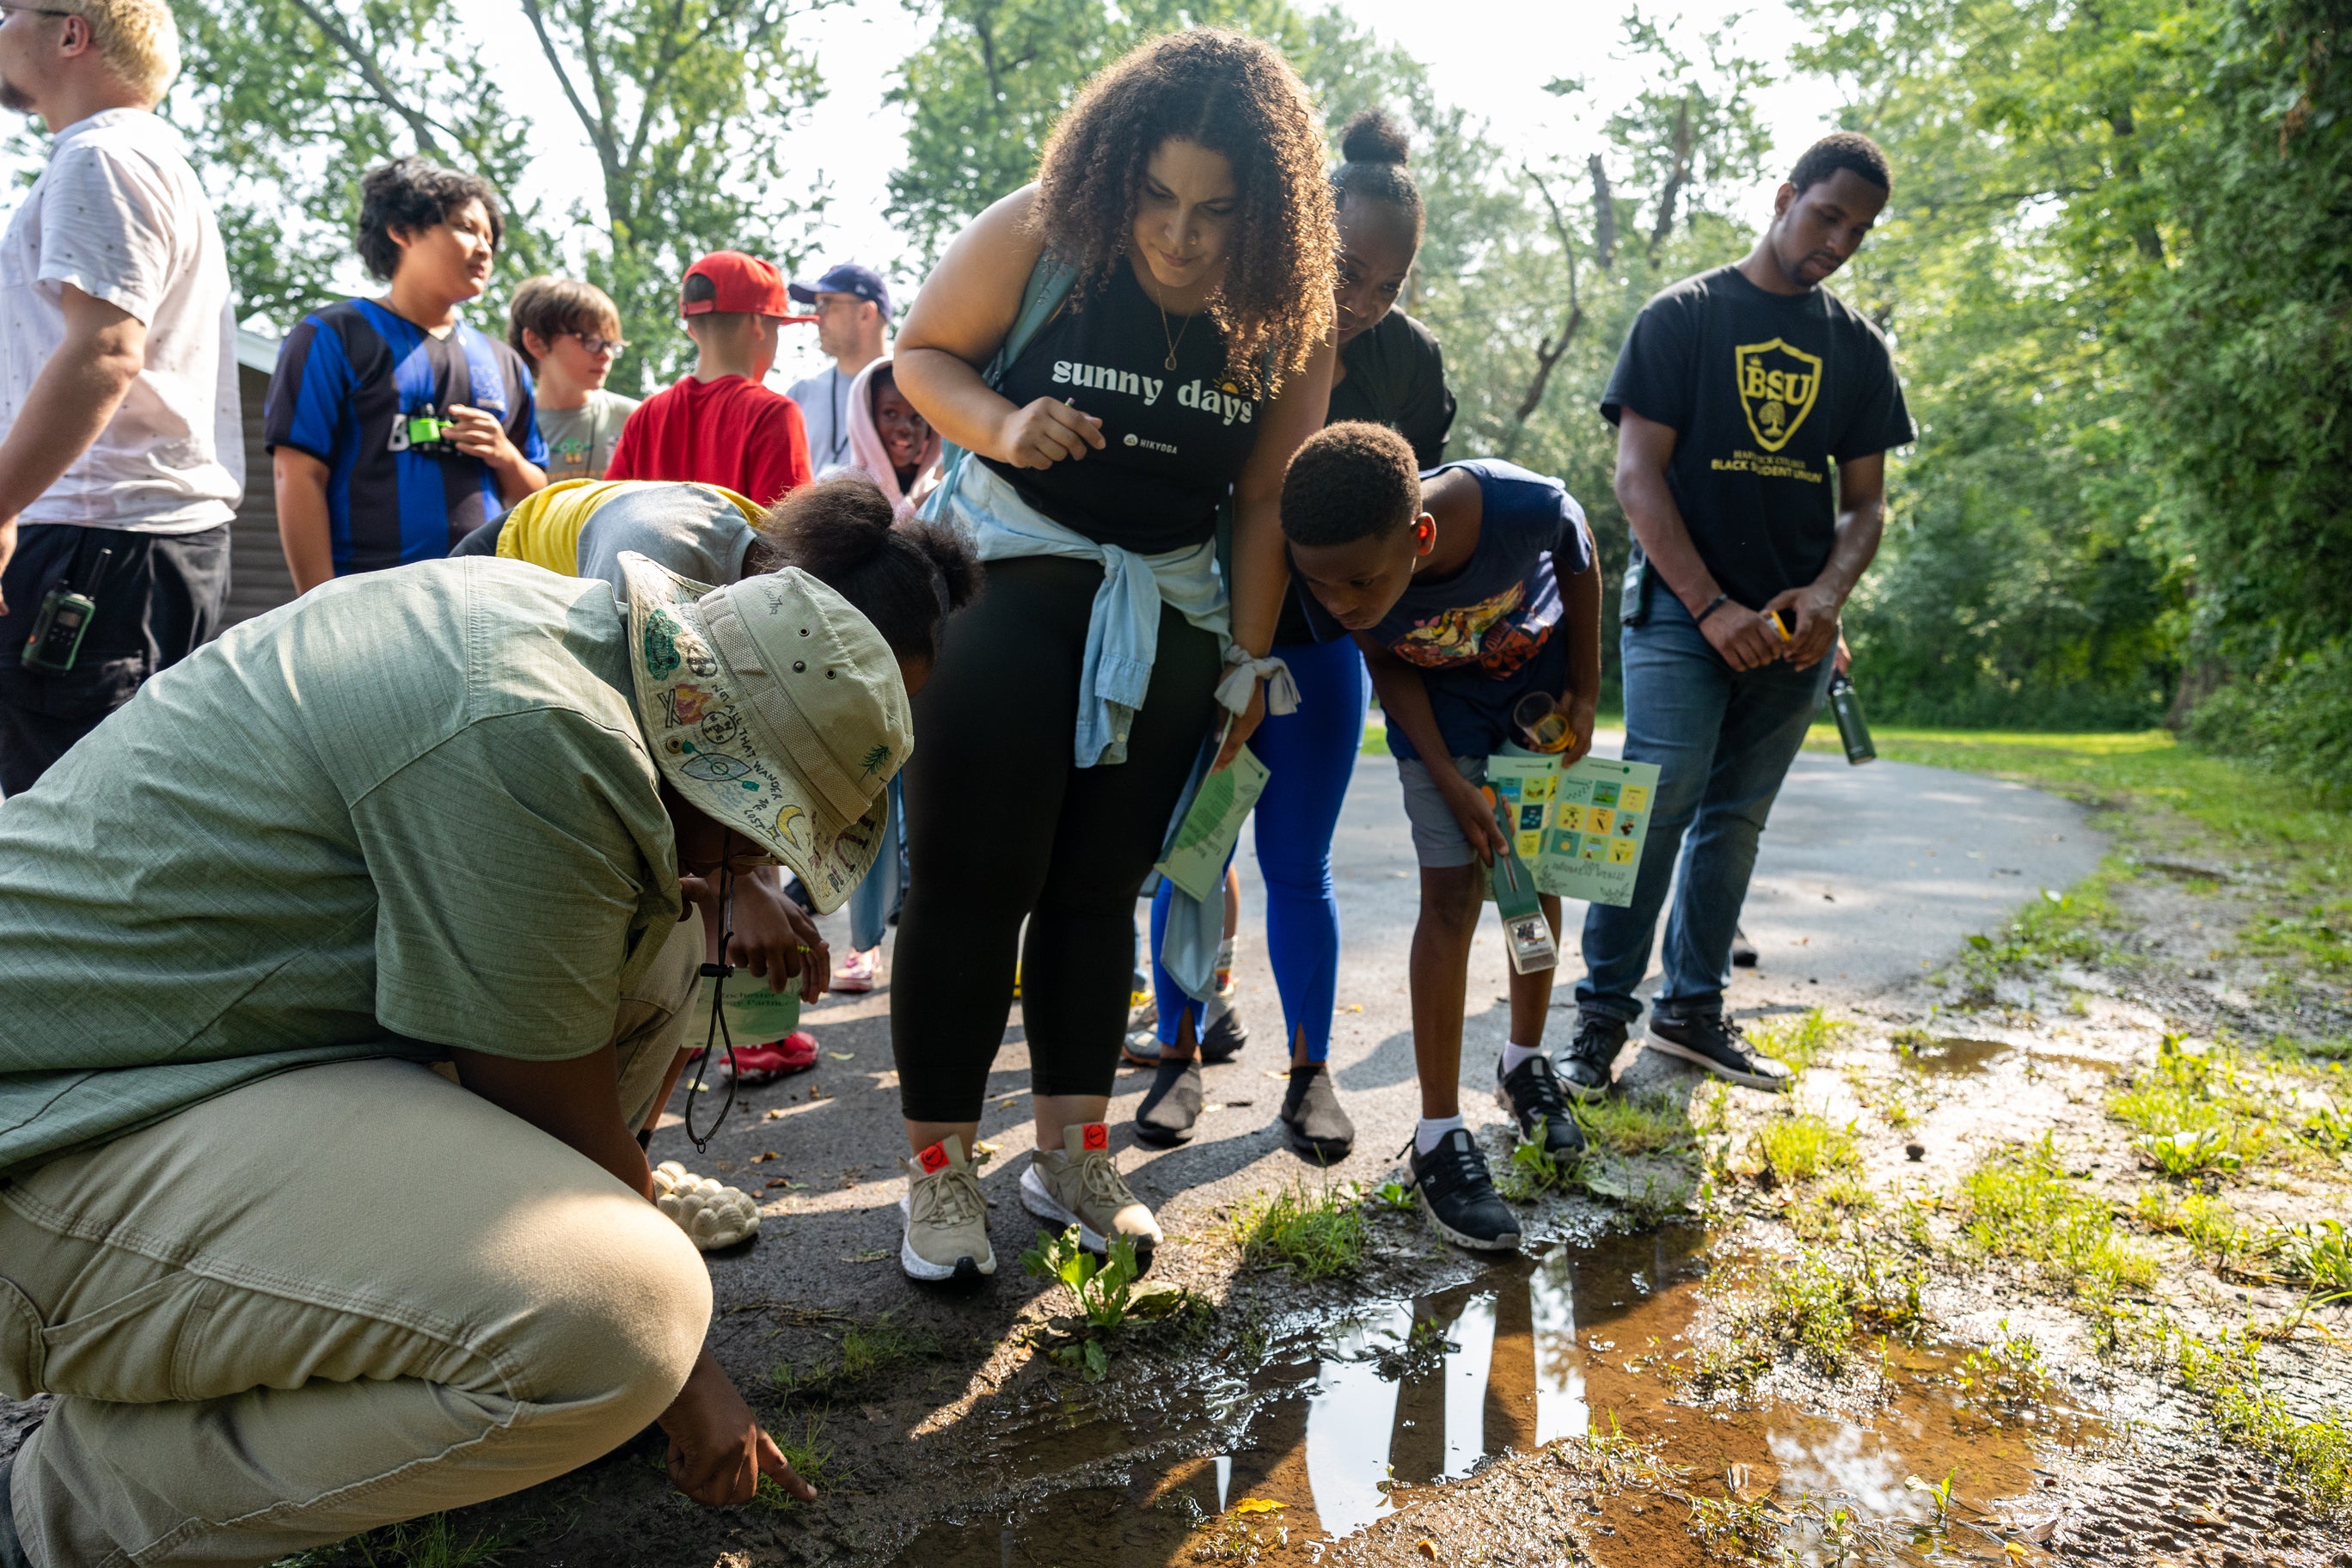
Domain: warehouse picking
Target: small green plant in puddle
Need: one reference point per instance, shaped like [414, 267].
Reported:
[1799, 1042]
[1103, 1287]
[1805, 1143]
[1737, 1530]
[2022, 1204]
[1315, 1235]
[2005, 1376]
[2316, 1454]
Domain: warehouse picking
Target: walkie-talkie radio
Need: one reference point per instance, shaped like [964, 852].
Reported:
[65, 615]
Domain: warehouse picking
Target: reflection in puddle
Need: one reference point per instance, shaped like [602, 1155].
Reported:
[1956, 1054]
[1355, 1418]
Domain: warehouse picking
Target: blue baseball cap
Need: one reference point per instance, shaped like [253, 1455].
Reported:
[847, 278]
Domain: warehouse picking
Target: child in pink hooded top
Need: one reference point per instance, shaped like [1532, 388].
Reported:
[889, 442]
[898, 449]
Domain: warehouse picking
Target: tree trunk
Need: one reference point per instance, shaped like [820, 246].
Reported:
[1604, 215]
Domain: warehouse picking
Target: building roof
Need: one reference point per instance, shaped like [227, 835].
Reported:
[256, 350]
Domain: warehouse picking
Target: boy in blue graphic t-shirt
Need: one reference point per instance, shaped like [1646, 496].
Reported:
[1468, 588]
[395, 428]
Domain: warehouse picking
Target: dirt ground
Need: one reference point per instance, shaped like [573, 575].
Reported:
[2032, 1266]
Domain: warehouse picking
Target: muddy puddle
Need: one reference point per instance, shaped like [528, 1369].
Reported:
[1957, 1055]
[1354, 1416]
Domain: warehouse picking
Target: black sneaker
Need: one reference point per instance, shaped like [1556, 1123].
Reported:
[1584, 1066]
[1173, 1104]
[1224, 1036]
[1313, 1123]
[1716, 1043]
[1458, 1194]
[1534, 1098]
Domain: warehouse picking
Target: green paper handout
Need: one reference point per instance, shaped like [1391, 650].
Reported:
[1196, 861]
[1581, 828]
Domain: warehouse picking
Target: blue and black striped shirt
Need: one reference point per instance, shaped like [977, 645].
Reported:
[349, 378]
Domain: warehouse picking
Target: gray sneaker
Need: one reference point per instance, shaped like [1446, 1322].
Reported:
[1079, 1184]
[947, 1218]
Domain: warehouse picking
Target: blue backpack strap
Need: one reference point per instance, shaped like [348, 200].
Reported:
[1049, 285]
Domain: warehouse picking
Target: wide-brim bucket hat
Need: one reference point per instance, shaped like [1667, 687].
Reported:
[774, 707]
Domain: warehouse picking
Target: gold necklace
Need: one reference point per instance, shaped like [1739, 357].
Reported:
[1174, 342]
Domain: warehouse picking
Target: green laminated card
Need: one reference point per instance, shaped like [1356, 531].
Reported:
[1580, 827]
[1196, 860]
[755, 1014]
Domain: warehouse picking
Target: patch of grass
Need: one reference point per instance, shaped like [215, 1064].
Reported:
[1798, 1041]
[2005, 1376]
[432, 1541]
[2056, 929]
[1827, 1210]
[1818, 1300]
[2317, 1256]
[1531, 1171]
[2197, 1111]
[1649, 1122]
[2207, 1223]
[867, 1352]
[2329, 1128]
[2316, 1456]
[1802, 1144]
[811, 1458]
[2022, 1204]
[1315, 1235]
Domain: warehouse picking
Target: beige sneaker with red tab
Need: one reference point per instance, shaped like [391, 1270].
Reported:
[1079, 1184]
[947, 1218]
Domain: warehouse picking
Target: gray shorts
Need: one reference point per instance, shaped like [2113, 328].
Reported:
[1437, 840]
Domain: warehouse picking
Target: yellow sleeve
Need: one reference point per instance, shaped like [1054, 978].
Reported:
[544, 527]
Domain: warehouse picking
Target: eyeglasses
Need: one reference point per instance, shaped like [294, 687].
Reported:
[7, 11]
[599, 346]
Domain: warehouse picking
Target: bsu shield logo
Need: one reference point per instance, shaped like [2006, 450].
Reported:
[1777, 388]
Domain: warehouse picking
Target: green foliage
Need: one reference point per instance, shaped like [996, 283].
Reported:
[1651, 1121]
[811, 1458]
[1315, 1235]
[2316, 1456]
[432, 1541]
[286, 103]
[868, 1351]
[1803, 1144]
[1531, 1171]
[1800, 1041]
[2057, 928]
[1103, 1286]
[2196, 1111]
[2022, 1204]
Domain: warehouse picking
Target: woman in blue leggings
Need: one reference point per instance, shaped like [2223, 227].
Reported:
[1391, 372]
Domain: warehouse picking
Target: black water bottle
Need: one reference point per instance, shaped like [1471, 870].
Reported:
[1853, 729]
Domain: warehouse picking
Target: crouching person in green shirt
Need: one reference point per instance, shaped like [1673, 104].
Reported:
[287, 1282]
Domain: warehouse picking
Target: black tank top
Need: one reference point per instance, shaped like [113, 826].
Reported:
[1175, 440]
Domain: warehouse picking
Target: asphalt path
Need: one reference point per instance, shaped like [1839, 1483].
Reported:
[1866, 877]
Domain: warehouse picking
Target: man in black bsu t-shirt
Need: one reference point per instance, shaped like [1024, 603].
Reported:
[1754, 411]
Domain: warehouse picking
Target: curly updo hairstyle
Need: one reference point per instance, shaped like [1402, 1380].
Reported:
[1373, 153]
[907, 579]
[1236, 96]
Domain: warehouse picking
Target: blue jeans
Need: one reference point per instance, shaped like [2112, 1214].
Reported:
[1723, 741]
[1310, 755]
[878, 898]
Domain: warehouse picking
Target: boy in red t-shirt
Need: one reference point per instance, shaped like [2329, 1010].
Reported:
[720, 426]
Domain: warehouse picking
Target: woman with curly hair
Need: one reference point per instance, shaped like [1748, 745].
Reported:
[1391, 373]
[1154, 315]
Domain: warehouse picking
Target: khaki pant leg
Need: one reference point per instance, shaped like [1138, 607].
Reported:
[336, 1298]
[651, 1026]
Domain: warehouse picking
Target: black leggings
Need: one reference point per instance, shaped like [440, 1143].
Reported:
[1001, 826]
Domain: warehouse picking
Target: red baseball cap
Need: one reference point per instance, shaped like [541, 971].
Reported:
[745, 285]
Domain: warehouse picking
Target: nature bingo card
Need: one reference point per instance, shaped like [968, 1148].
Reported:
[1581, 828]
[1204, 839]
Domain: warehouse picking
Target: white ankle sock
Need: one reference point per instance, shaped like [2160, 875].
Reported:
[1515, 1056]
[1429, 1134]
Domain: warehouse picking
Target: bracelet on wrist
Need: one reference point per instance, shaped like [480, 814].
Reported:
[1712, 605]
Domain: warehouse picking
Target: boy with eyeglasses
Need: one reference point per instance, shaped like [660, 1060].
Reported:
[568, 333]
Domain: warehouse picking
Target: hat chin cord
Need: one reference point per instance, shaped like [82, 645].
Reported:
[719, 1038]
